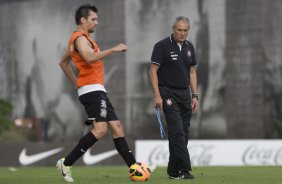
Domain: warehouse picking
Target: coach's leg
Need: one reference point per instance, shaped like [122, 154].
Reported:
[186, 112]
[175, 138]
[177, 143]
[121, 143]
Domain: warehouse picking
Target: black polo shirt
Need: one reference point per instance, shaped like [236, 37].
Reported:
[174, 70]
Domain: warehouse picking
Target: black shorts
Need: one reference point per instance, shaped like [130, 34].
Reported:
[98, 107]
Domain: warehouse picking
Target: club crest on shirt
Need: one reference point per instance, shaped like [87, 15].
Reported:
[189, 53]
[168, 102]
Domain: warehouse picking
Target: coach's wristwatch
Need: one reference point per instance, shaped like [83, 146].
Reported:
[195, 95]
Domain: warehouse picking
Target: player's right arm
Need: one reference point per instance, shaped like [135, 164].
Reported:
[84, 48]
[65, 65]
[155, 86]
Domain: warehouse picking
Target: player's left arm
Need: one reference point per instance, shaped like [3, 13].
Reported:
[193, 87]
[87, 53]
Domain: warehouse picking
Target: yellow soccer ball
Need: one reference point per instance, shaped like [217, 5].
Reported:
[139, 172]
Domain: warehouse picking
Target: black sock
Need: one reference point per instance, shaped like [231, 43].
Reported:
[124, 151]
[85, 142]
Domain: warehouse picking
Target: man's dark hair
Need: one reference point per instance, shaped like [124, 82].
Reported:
[83, 11]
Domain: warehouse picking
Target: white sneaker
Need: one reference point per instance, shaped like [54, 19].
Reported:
[65, 170]
[152, 167]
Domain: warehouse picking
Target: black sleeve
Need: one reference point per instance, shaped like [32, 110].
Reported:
[158, 54]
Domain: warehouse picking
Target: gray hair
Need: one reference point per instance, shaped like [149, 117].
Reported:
[181, 18]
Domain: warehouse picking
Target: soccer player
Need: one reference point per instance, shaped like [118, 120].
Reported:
[173, 76]
[87, 57]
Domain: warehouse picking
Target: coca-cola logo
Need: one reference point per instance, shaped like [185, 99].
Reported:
[159, 155]
[199, 154]
[254, 155]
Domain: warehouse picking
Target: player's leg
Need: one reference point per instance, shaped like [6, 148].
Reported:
[65, 170]
[121, 144]
[118, 135]
[64, 164]
[98, 131]
[94, 106]
[116, 129]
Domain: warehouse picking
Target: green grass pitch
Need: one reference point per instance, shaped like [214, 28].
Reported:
[118, 175]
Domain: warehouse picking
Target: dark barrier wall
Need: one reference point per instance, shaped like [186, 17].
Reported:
[47, 154]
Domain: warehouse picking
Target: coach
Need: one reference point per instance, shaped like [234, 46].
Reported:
[173, 78]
